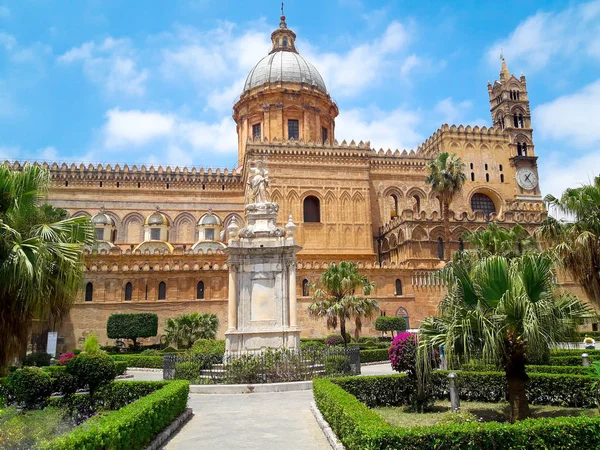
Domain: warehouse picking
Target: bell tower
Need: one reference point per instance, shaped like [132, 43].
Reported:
[509, 107]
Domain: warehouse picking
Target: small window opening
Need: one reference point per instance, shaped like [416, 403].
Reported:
[155, 234]
[501, 178]
[139, 185]
[324, 136]
[486, 167]
[128, 291]
[167, 185]
[293, 129]
[398, 287]
[305, 288]
[500, 167]
[440, 248]
[89, 292]
[312, 209]
[203, 187]
[223, 187]
[66, 184]
[472, 176]
[256, 132]
[471, 166]
[162, 290]
[487, 177]
[200, 290]
[118, 184]
[101, 184]
[461, 244]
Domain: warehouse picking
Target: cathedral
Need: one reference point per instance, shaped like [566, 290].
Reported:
[162, 232]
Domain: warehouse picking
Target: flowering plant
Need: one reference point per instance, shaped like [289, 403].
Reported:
[403, 353]
[335, 339]
[65, 358]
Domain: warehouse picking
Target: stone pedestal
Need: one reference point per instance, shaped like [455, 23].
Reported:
[262, 283]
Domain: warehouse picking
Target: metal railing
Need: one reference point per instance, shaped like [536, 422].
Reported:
[268, 366]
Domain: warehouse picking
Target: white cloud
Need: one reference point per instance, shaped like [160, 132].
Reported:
[111, 64]
[394, 129]
[14, 153]
[136, 128]
[8, 153]
[350, 73]
[8, 41]
[557, 173]
[572, 117]
[4, 12]
[47, 153]
[142, 131]
[452, 112]
[548, 35]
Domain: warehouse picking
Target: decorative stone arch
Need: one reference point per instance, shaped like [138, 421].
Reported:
[459, 232]
[345, 208]
[522, 138]
[393, 240]
[277, 197]
[436, 232]
[294, 205]
[128, 220]
[358, 203]
[385, 245]
[416, 197]
[518, 109]
[178, 232]
[81, 213]
[329, 207]
[316, 195]
[402, 312]
[491, 193]
[418, 233]
[228, 219]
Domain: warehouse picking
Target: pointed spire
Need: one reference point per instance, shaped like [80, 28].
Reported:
[283, 38]
[504, 73]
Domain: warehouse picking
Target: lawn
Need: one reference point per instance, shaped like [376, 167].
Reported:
[32, 429]
[472, 411]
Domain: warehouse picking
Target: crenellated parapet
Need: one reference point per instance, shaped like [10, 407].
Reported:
[433, 145]
[136, 173]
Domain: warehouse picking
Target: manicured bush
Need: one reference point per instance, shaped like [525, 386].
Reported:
[335, 339]
[337, 365]
[570, 360]
[573, 352]
[132, 326]
[131, 427]
[37, 359]
[379, 354]
[31, 386]
[312, 345]
[209, 346]
[118, 394]
[170, 349]
[65, 358]
[120, 367]
[143, 362]
[91, 346]
[382, 390]
[151, 352]
[403, 353]
[358, 427]
[188, 370]
[571, 370]
[92, 370]
[64, 383]
[390, 323]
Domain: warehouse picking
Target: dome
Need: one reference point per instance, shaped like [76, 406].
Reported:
[157, 219]
[284, 66]
[102, 219]
[209, 219]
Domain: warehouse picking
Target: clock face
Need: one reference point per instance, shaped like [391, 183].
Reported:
[527, 178]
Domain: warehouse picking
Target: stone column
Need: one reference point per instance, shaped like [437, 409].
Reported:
[232, 299]
[293, 300]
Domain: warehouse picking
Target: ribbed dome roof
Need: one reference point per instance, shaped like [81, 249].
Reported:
[284, 66]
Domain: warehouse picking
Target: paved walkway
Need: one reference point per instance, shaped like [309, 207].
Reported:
[275, 421]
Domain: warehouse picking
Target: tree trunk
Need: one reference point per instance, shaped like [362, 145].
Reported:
[517, 398]
[446, 230]
[343, 330]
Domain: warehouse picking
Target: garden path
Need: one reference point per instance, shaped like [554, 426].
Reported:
[275, 420]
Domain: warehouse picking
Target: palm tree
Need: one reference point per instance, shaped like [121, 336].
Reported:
[336, 299]
[498, 241]
[41, 256]
[186, 329]
[446, 177]
[576, 243]
[500, 311]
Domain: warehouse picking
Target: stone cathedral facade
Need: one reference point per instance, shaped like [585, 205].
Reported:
[162, 231]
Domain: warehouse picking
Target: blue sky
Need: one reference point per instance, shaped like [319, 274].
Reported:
[154, 82]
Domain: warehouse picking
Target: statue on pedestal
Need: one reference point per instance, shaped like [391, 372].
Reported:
[258, 182]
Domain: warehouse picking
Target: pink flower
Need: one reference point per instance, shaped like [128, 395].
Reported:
[65, 358]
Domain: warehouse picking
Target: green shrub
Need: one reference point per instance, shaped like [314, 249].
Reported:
[337, 365]
[120, 367]
[132, 426]
[5, 396]
[375, 355]
[132, 326]
[92, 370]
[91, 345]
[335, 339]
[188, 370]
[30, 386]
[572, 370]
[209, 346]
[137, 361]
[170, 349]
[390, 323]
[573, 352]
[151, 352]
[118, 394]
[570, 360]
[358, 427]
[32, 429]
[312, 345]
[37, 359]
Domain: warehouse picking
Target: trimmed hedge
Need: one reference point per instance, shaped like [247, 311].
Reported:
[390, 323]
[570, 360]
[144, 362]
[358, 427]
[132, 326]
[131, 427]
[571, 370]
[573, 352]
[379, 354]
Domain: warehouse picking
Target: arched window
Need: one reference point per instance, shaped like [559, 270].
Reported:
[305, 288]
[487, 177]
[521, 122]
[402, 312]
[89, 292]
[417, 204]
[312, 209]
[524, 147]
[516, 121]
[440, 248]
[284, 42]
[472, 176]
[128, 291]
[393, 206]
[162, 290]
[398, 287]
[461, 244]
[200, 290]
[481, 202]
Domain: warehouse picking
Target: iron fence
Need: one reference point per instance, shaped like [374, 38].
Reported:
[268, 366]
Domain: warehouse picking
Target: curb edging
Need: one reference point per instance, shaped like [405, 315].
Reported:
[325, 428]
[164, 436]
[250, 388]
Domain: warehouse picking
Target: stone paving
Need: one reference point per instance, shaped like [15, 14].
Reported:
[278, 420]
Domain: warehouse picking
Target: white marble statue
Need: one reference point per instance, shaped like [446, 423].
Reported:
[258, 181]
